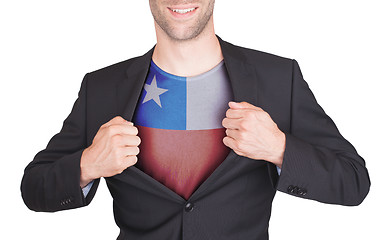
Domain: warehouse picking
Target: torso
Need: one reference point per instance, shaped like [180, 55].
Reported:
[179, 121]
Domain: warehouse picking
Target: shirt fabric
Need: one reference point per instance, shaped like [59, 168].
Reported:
[179, 122]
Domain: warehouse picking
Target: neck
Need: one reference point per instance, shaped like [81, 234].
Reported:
[188, 57]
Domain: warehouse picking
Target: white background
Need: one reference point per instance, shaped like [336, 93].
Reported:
[47, 47]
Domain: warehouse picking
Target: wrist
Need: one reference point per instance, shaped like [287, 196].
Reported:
[85, 171]
[278, 157]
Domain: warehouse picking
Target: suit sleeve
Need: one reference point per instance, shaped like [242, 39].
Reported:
[319, 163]
[51, 182]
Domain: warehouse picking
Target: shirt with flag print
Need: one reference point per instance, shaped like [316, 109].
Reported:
[179, 122]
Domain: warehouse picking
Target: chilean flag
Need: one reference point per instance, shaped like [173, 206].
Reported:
[179, 122]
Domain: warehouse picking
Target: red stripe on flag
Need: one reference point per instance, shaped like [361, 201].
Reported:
[181, 159]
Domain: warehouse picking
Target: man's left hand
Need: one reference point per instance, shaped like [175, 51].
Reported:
[252, 133]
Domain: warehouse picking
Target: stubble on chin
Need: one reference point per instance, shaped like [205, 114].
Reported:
[190, 32]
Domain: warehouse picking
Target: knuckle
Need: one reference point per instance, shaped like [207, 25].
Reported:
[228, 113]
[132, 151]
[243, 124]
[132, 160]
[131, 141]
[243, 135]
[249, 114]
[117, 118]
[263, 116]
[237, 146]
[120, 164]
[138, 140]
[112, 129]
[115, 139]
[120, 167]
[135, 131]
[267, 115]
[224, 122]
[240, 153]
[137, 150]
[225, 141]
[260, 109]
[116, 153]
[227, 132]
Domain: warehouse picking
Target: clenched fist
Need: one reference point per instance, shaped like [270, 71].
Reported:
[114, 148]
[252, 133]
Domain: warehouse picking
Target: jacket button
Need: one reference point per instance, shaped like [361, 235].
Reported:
[189, 207]
[291, 189]
[302, 192]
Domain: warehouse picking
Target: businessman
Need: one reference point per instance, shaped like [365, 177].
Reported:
[194, 138]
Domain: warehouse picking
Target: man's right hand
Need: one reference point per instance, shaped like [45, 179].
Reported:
[113, 149]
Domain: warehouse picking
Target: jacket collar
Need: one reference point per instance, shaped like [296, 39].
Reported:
[242, 75]
[129, 89]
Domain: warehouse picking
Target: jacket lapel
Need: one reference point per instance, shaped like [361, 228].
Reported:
[242, 74]
[129, 89]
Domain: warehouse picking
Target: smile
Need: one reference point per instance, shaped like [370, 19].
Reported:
[183, 11]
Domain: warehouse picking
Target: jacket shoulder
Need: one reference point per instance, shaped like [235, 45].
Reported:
[112, 72]
[257, 56]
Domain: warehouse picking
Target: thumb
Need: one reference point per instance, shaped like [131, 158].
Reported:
[239, 105]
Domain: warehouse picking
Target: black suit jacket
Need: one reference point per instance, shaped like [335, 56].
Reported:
[235, 201]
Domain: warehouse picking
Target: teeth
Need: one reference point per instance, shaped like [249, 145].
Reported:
[183, 10]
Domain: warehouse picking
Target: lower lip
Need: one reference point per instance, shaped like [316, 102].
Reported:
[182, 15]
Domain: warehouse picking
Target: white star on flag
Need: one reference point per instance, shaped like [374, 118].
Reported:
[153, 92]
